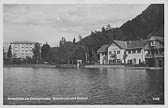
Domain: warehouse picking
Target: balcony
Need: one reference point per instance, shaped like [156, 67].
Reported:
[112, 55]
[154, 55]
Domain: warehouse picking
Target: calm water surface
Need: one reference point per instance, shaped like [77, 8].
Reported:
[97, 85]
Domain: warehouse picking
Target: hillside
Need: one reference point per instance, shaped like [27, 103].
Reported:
[149, 22]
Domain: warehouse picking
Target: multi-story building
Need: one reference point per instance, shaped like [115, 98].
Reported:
[154, 51]
[22, 49]
[116, 51]
[135, 52]
[149, 51]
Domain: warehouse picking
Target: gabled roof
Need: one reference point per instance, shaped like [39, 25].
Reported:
[136, 44]
[103, 48]
[131, 44]
[156, 38]
[121, 44]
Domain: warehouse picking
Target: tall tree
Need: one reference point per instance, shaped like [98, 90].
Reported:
[62, 41]
[44, 51]
[74, 41]
[9, 55]
[80, 38]
[36, 53]
[103, 29]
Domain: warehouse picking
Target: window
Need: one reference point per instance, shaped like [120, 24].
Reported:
[133, 51]
[118, 52]
[153, 43]
[134, 61]
[118, 61]
[139, 51]
[129, 51]
[139, 61]
[114, 52]
[109, 52]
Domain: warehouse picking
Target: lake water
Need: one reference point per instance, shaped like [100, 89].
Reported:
[82, 86]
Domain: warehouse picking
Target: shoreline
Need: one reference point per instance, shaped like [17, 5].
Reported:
[82, 66]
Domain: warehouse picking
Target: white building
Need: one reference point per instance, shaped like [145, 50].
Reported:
[103, 53]
[135, 52]
[119, 52]
[116, 51]
[22, 49]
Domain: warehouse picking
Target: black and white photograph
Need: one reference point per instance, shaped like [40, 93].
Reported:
[83, 54]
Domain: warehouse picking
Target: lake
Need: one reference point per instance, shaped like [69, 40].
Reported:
[40, 86]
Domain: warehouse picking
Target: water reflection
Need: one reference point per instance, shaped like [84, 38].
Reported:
[101, 85]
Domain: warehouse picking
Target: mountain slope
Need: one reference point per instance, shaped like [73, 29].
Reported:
[149, 22]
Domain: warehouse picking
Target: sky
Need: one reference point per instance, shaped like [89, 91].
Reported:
[50, 22]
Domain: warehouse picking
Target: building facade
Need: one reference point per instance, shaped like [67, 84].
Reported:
[154, 52]
[149, 51]
[135, 52]
[103, 54]
[116, 51]
[22, 49]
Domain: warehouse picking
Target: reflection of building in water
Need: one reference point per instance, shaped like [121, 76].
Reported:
[124, 79]
[116, 78]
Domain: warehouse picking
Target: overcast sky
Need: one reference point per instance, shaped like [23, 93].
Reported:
[49, 23]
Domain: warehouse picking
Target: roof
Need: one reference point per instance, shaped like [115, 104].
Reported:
[156, 38]
[131, 44]
[122, 44]
[136, 44]
[23, 42]
[103, 48]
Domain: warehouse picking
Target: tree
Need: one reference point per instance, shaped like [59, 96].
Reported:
[36, 53]
[108, 27]
[44, 51]
[9, 55]
[80, 38]
[78, 53]
[62, 41]
[92, 32]
[103, 29]
[74, 41]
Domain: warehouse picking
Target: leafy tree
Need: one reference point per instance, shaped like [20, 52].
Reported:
[36, 53]
[78, 53]
[29, 60]
[44, 51]
[9, 55]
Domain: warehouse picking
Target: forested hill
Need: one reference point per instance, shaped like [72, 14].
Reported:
[150, 21]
